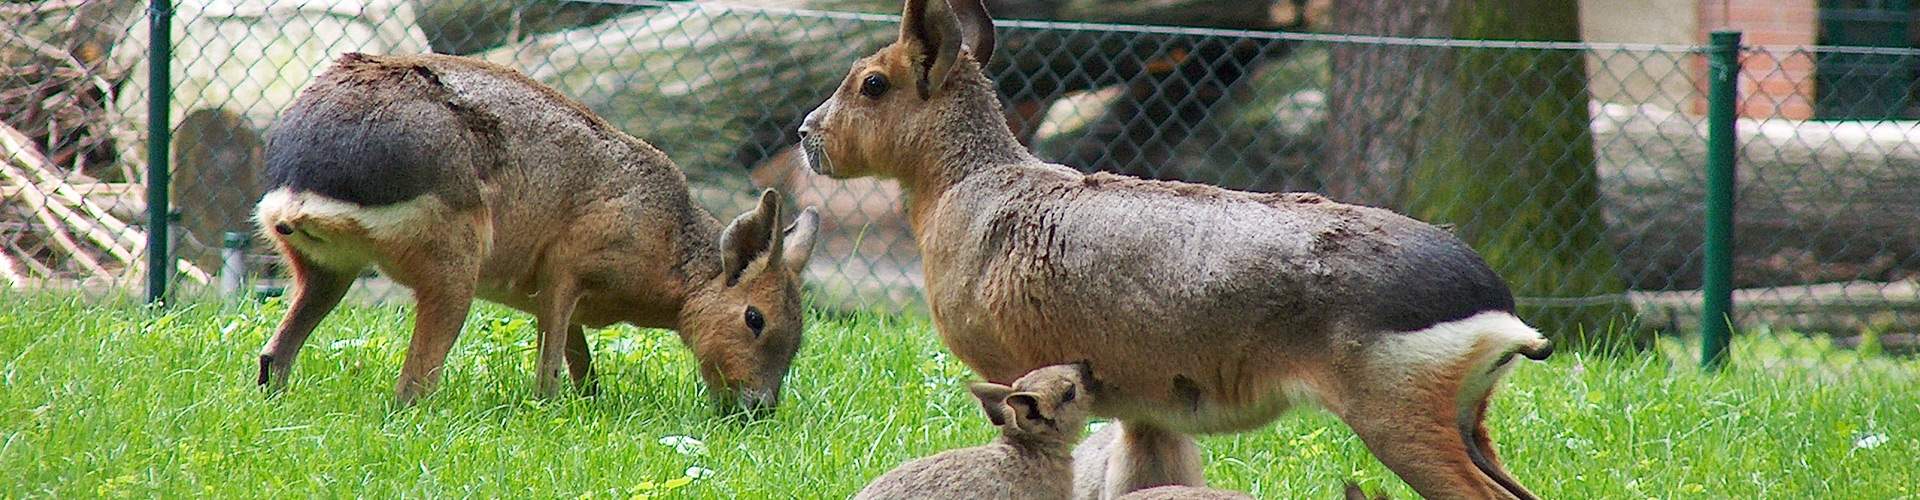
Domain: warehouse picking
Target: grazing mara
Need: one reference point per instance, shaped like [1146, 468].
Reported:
[459, 178]
[1040, 418]
[1202, 309]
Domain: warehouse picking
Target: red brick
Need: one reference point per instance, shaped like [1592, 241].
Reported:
[1778, 86]
[1749, 15]
[1799, 14]
[1772, 37]
[1797, 62]
[1796, 110]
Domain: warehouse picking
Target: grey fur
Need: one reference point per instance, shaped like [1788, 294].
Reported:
[1090, 462]
[1032, 458]
[1185, 493]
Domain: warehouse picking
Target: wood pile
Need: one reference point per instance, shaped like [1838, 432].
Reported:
[57, 230]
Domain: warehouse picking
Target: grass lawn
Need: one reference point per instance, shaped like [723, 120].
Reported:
[107, 398]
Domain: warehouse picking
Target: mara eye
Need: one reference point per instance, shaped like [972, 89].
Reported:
[873, 86]
[755, 321]
[1071, 392]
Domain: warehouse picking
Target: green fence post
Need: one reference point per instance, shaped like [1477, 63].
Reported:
[159, 100]
[1716, 320]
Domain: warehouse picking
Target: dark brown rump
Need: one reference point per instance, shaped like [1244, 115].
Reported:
[376, 131]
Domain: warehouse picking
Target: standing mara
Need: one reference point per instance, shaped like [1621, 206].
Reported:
[461, 179]
[1201, 309]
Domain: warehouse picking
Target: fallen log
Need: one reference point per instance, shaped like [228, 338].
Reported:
[1815, 201]
[74, 226]
[1824, 308]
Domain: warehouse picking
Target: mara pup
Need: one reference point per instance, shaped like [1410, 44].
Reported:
[1203, 309]
[1040, 418]
[461, 179]
[1185, 493]
[1091, 459]
[1090, 463]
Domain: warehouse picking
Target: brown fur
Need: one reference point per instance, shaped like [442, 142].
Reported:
[1205, 309]
[531, 201]
[1040, 418]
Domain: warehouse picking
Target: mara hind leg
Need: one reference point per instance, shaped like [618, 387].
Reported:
[442, 268]
[1413, 431]
[439, 311]
[580, 361]
[1515, 340]
[1417, 399]
[1148, 456]
[1473, 424]
[316, 292]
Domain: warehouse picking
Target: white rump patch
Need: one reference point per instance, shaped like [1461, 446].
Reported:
[396, 221]
[1411, 355]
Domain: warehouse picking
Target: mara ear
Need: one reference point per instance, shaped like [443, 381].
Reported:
[979, 28]
[1026, 410]
[934, 34]
[750, 235]
[992, 399]
[799, 237]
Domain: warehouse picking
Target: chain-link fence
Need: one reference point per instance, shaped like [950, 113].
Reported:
[1578, 169]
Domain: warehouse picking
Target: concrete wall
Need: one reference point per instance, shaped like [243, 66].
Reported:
[1661, 78]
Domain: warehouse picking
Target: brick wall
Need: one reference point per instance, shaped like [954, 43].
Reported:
[1777, 82]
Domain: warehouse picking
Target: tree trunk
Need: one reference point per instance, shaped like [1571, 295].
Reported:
[1495, 141]
[1375, 97]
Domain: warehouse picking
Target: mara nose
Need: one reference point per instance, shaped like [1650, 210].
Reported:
[755, 403]
[812, 123]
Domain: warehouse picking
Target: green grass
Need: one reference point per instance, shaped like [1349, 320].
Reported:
[111, 399]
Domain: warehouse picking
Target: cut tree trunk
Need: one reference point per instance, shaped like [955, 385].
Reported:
[723, 90]
[462, 27]
[1816, 201]
[1174, 95]
[1494, 141]
[654, 72]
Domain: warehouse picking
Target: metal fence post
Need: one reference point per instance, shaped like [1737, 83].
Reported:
[233, 264]
[1716, 320]
[159, 100]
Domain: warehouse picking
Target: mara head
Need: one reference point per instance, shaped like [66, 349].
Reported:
[888, 112]
[1048, 403]
[744, 325]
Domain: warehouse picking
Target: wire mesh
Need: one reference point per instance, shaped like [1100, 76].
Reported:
[1575, 167]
